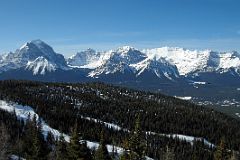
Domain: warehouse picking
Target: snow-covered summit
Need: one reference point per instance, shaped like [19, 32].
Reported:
[30, 52]
[119, 60]
[36, 48]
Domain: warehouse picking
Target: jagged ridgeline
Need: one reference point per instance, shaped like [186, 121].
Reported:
[173, 71]
[166, 126]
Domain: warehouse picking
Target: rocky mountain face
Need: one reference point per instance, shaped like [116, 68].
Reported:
[83, 58]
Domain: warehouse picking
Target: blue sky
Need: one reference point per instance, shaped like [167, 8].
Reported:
[73, 25]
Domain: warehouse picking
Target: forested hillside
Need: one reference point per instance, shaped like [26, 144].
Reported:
[146, 122]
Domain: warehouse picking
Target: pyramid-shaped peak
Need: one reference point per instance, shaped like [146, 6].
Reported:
[35, 43]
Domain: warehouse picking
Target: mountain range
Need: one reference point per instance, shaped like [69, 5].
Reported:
[174, 71]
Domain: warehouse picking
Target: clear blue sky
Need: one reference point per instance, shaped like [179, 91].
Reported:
[73, 25]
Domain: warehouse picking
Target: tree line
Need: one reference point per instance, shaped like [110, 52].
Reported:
[61, 105]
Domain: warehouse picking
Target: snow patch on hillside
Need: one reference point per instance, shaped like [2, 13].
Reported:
[108, 125]
[189, 139]
[187, 98]
[23, 112]
[15, 157]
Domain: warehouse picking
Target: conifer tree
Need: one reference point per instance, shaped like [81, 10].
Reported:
[221, 152]
[36, 147]
[169, 155]
[85, 151]
[136, 142]
[77, 149]
[125, 154]
[74, 145]
[113, 149]
[61, 148]
[102, 152]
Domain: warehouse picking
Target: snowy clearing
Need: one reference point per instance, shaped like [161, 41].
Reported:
[108, 125]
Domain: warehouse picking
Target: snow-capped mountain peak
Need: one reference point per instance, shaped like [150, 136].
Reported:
[160, 67]
[119, 61]
[36, 48]
[29, 52]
